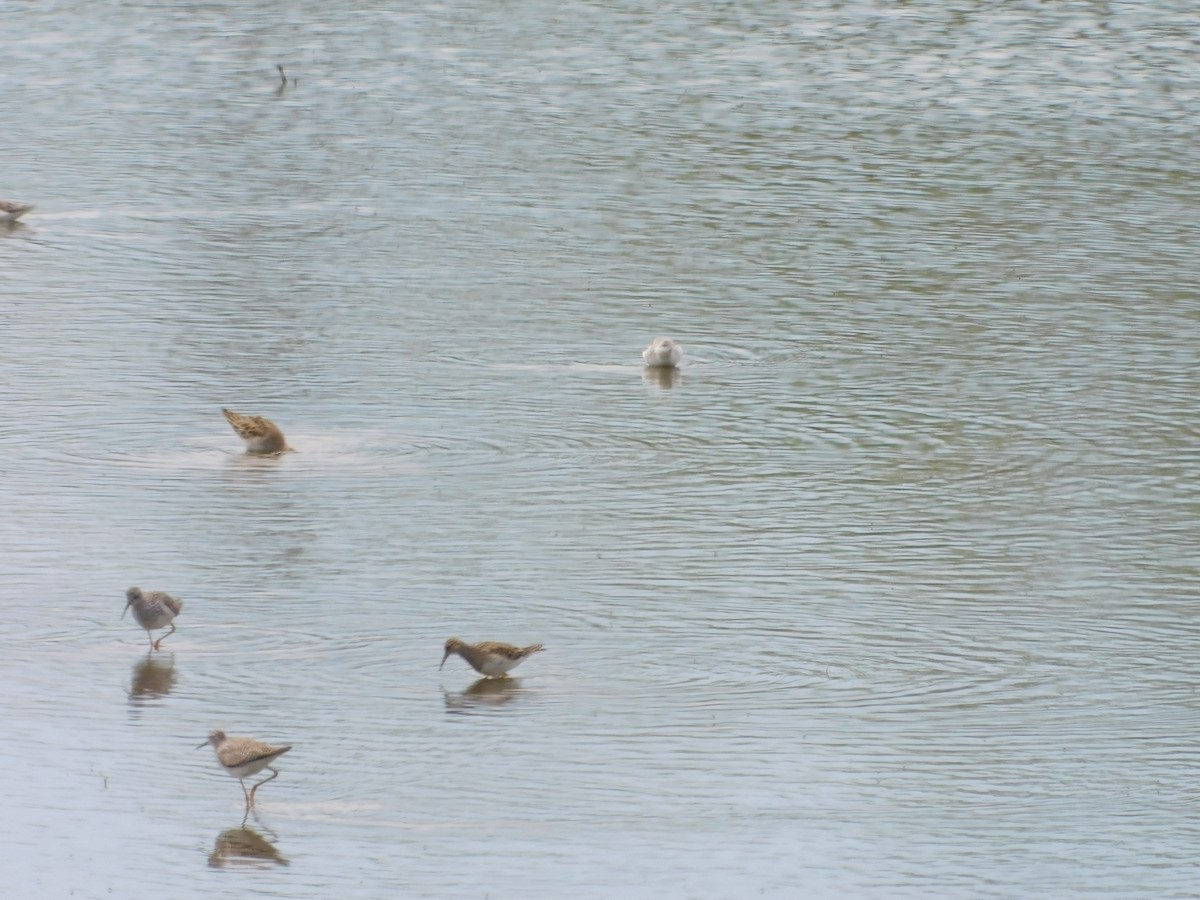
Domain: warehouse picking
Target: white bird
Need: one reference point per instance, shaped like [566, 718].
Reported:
[663, 353]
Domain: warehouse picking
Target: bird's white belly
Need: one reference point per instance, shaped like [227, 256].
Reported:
[247, 769]
[498, 666]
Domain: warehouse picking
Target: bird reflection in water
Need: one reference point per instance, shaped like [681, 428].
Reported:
[660, 377]
[244, 847]
[484, 692]
[153, 677]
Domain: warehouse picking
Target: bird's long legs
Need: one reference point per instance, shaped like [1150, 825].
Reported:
[155, 644]
[261, 783]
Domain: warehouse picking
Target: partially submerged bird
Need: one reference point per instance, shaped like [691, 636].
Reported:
[242, 757]
[663, 353]
[11, 210]
[261, 435]
[490, 658]
[153, 610]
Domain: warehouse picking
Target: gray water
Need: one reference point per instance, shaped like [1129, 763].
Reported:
[890, 592]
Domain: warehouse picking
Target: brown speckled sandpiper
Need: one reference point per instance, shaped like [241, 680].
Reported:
[153, 610]
[261, 435]
[242, 757]
[490, 658]
[11, 210]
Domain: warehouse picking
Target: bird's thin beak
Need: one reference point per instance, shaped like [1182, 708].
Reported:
[126, 609]
[444, 658]
[205, 744]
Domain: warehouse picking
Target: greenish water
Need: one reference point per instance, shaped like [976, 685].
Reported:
[889, 593]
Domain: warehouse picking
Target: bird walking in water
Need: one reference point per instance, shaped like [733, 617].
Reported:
[490, 658]
[153, 610]
[663, 353]
[242, 757]
[11, 210]
[261, 435]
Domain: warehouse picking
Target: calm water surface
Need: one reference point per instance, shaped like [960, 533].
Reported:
[891, 592]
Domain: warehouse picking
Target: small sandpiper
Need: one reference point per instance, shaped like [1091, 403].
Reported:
[261, 435]
[11, 210]
[490, 658]
[153, 610]
[242, 757]
[663, 353]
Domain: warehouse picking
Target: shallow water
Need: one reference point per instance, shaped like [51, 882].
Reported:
[888, 592]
